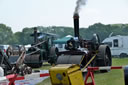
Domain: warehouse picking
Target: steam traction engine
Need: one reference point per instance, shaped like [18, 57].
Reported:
[41, 50]
[85, 52]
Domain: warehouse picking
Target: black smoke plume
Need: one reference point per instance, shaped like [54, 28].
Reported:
[79, 4]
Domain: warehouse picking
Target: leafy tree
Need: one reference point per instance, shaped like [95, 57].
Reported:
[5, 34]
[8, 37]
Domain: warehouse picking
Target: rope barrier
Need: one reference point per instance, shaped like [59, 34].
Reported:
[13, 77]
[91, 70]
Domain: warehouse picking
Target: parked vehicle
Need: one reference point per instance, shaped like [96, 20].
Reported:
[118, 45]
[4, 47]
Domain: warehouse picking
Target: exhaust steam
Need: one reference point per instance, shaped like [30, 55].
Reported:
[79, 4]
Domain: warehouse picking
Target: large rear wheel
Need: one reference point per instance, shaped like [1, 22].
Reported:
[104, 56]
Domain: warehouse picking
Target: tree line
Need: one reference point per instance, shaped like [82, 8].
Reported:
[23, 37]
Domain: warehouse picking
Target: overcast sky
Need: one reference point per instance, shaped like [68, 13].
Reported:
[28, 13]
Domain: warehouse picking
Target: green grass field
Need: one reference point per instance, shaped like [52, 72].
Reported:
[114, 77]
